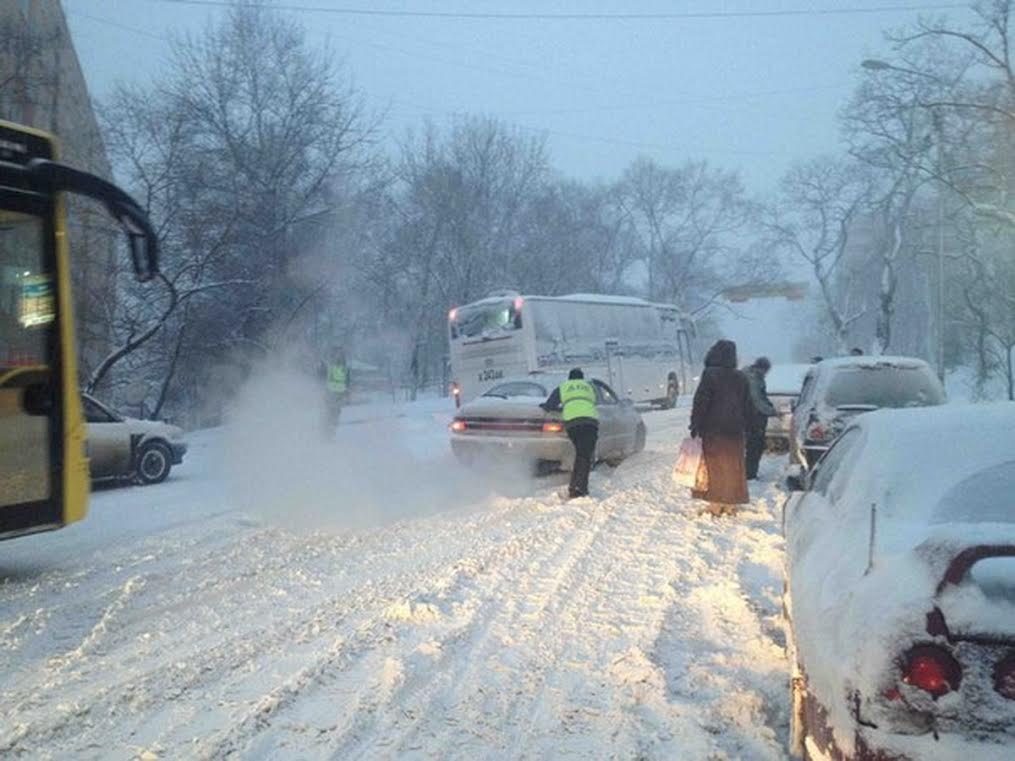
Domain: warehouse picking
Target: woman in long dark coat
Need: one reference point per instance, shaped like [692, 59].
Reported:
[719, 417]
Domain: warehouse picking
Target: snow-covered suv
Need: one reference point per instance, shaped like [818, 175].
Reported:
[837, 390]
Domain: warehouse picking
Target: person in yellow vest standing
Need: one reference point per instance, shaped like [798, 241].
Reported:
[337, 382]
[576, 399]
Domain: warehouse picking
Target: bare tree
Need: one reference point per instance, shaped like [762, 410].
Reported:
[238, 155]
[955, 85]
[819, 205]
[689, 222]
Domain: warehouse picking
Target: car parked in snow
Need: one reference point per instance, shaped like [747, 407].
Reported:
[122, 448]
[900, 589]
[507, 424]
[784, 383]
[837, 390]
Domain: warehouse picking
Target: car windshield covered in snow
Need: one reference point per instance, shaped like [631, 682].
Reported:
[786, 379]
[518, 389]
[469, 322]
[884, 386]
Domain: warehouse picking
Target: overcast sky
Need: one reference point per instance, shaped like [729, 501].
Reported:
[750, 92]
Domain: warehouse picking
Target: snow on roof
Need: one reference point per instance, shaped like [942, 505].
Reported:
[914, 458]
[602, 299]
[872, 361]
[786, 379]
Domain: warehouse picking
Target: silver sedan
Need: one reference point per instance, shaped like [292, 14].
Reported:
[507, 424]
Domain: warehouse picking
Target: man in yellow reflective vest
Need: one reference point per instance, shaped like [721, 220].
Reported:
[576, 399]
[337, 382]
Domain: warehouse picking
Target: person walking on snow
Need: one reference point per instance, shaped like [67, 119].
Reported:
[761, 410]
[719, 416]
[336, 378]
[576, 398]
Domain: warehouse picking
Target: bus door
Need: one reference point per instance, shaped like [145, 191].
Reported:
[686, 360]
[30, 428]
[615, 366]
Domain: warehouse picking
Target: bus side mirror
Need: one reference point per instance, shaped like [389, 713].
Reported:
[141, 237]
[143, 256]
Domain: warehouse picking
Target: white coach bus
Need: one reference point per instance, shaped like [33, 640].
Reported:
[643, 350]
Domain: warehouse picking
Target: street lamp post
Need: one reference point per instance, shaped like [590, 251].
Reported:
[873, 64]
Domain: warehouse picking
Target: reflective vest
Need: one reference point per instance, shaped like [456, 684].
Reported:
[337, 379]
[578, 399]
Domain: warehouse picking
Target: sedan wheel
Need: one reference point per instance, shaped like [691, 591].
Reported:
[153, 463]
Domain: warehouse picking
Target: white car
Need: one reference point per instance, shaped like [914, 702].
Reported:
[507, 423]
[900, 579]
[122, 447]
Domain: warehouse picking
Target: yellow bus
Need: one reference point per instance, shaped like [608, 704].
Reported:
[44, 480]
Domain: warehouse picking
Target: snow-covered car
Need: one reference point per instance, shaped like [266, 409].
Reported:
[900, 589]
[121, 447]
[507, 423]
[837, 390]
[784, 383]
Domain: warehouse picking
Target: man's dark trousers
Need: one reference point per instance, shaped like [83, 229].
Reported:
[755, 443]
[583, 433]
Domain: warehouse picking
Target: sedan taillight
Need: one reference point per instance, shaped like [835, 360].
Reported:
[931, 669]
[1004, 676]
[553, 426]
[458, 426]
[817, 432]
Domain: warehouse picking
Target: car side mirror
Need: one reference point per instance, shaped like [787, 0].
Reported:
[627, 402]
[796, 479]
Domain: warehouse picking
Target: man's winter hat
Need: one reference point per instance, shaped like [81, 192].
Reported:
[576, 374]
[763, 363]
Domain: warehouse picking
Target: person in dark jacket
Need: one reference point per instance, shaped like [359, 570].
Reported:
[719, 416]
[576, 399]
[761, 410]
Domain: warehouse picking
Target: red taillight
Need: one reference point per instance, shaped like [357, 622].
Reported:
[932, 669]
[553, 426]
[1004, 676]
[817, 432]
[458, 426]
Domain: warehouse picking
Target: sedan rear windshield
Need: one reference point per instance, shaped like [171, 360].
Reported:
[981, 498]
[885, 386]
[517, 388]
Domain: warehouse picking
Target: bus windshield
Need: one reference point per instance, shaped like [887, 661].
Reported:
[483, 319]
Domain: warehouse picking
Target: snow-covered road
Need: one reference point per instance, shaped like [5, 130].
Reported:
[179, 622]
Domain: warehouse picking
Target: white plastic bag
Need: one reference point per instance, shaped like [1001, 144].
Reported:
[690, 469]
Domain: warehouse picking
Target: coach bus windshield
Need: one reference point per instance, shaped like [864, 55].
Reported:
[484, 319]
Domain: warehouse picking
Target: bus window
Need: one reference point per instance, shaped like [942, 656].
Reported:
[27, 316]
